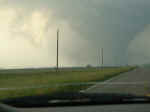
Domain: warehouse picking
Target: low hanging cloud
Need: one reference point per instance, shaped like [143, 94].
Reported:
[29, 40]
[28, 32]
[139, 52]
[22, 37]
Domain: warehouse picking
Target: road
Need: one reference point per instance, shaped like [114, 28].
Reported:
[135, 82]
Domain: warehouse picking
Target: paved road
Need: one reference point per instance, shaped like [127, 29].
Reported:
[136, 82]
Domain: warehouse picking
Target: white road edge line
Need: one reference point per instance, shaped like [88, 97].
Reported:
[106, 81]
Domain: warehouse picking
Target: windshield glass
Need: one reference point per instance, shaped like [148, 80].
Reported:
[90, 46]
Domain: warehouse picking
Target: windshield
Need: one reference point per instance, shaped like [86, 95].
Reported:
[48, 47]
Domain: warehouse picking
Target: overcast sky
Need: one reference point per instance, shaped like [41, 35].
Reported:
[28, 32]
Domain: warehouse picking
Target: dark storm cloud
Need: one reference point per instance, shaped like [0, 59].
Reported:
[108, 24]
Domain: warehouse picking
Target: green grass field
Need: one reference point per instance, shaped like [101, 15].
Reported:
[49, 78]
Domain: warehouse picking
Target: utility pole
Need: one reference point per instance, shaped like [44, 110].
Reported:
[57, 58]
[100, 58]
[102, 53]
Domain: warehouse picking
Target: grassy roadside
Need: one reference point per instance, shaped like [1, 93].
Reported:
[38, 78]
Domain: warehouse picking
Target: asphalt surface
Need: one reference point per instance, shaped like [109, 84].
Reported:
[134, 82]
